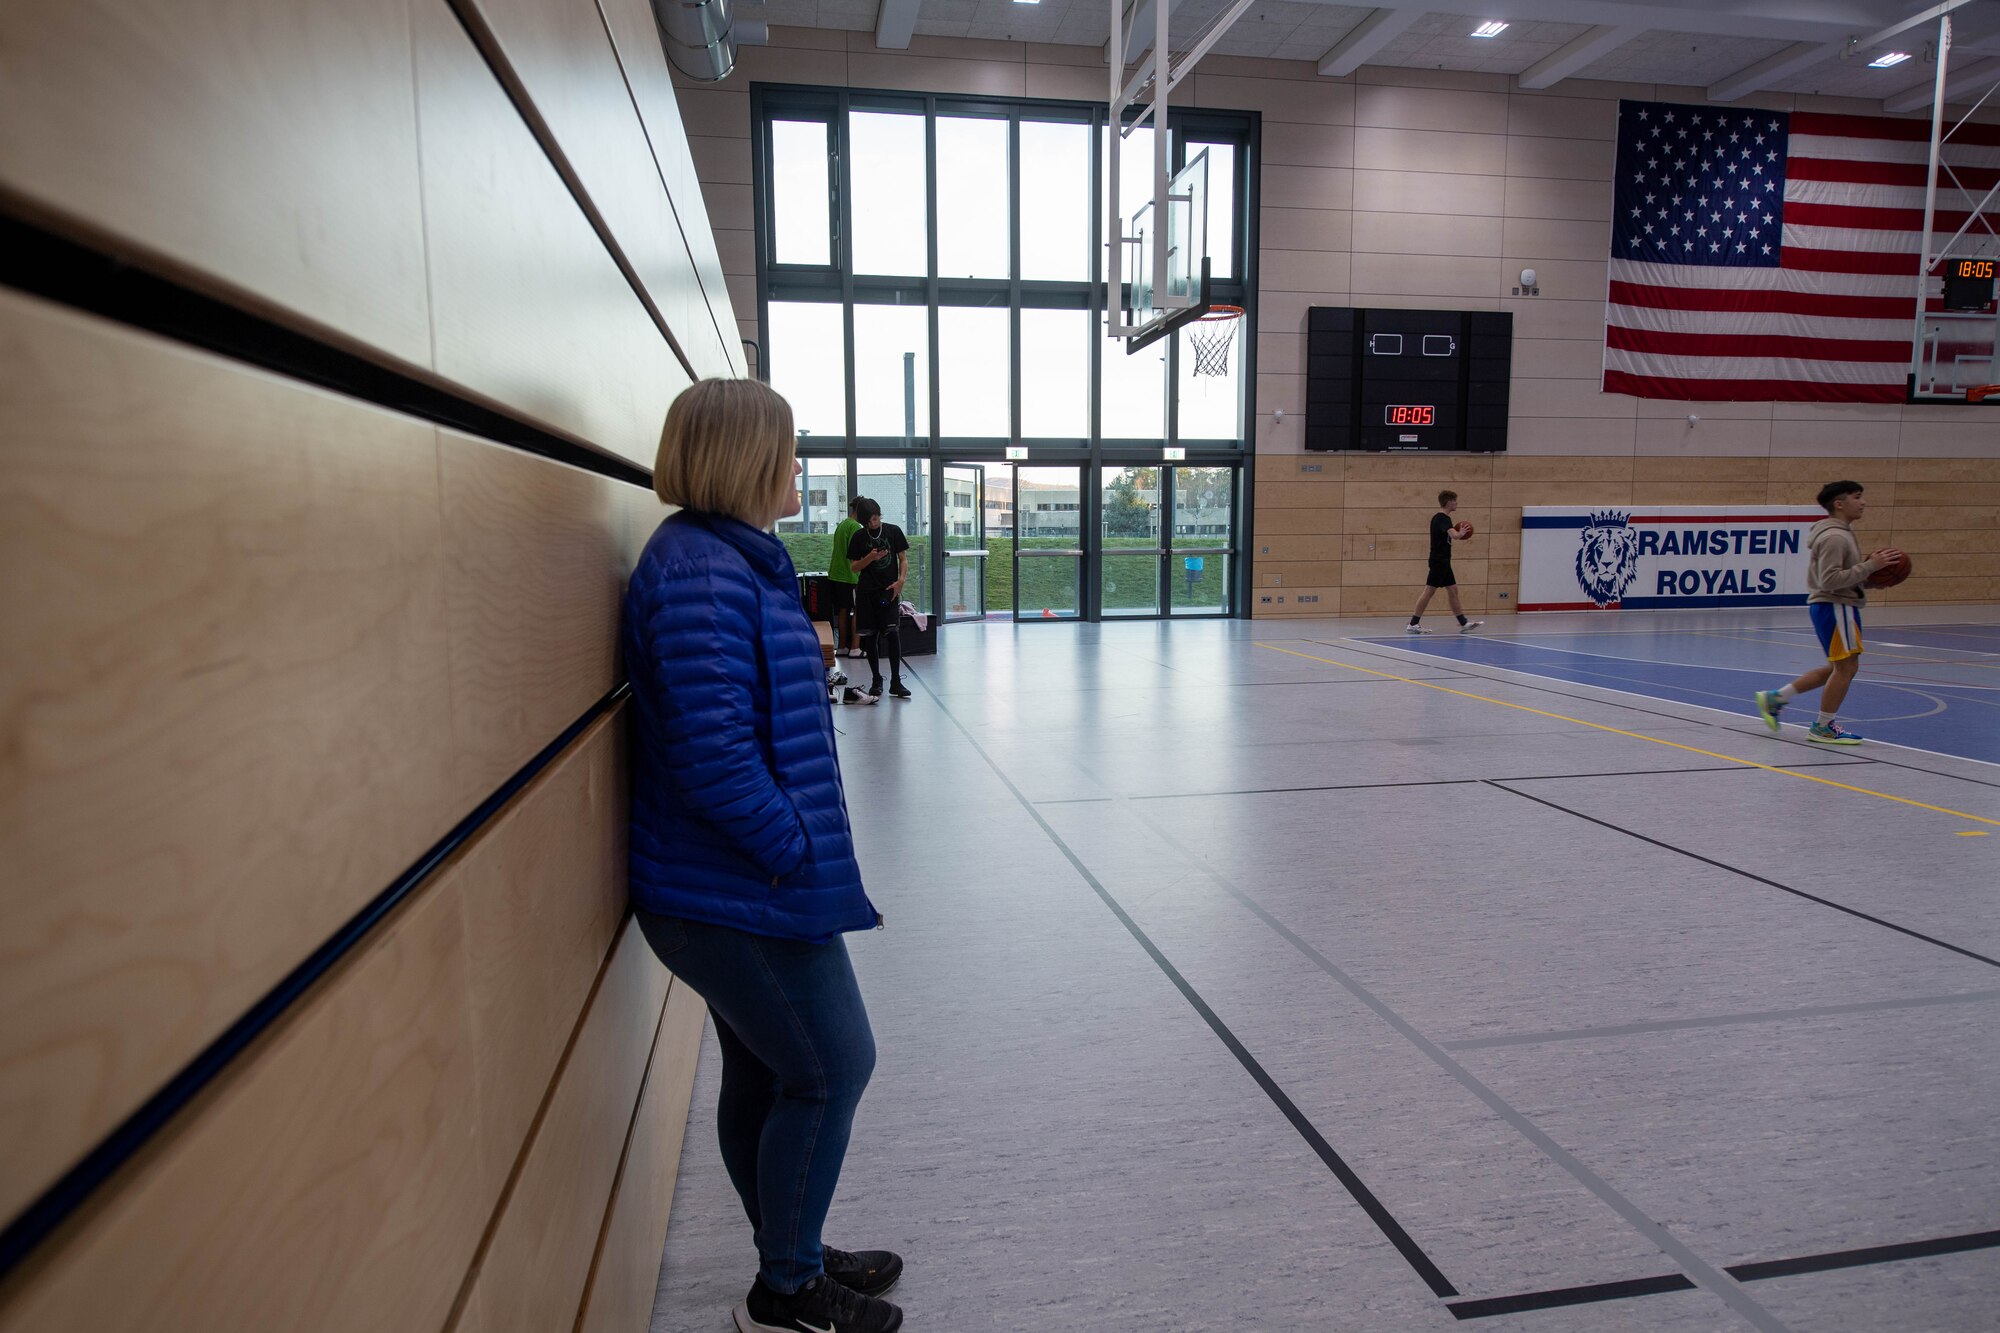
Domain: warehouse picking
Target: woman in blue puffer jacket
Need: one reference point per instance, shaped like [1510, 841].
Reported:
[743, 869]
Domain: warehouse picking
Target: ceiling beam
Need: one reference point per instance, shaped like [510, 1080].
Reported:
[1875, 39]
[1959, 85]
[1139, 24]
[1796, 57]
[1585, 51]
[895, 23]
[1369, 36]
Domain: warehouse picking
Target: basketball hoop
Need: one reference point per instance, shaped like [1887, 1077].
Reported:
[1211, 336]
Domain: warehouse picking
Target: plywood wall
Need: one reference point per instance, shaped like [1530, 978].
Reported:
[284, 651]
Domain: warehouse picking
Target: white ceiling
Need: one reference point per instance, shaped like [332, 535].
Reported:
[1688, 43]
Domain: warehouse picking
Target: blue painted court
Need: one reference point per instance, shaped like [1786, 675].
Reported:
[1934, 687]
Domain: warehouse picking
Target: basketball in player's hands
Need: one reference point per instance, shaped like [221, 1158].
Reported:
[1895, 568]
[1464, 530]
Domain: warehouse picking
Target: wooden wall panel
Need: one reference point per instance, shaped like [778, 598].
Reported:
[626, 1276]
[263, 148]
[544, 894]
[529, 309]
[532, 1275]
[634, 34]
[331, 1181]
[342, 1173]
[534, 578]
[224, 671]
[569, 73]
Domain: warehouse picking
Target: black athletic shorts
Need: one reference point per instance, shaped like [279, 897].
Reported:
[880, 612]
[1441, 575]
[839, 596]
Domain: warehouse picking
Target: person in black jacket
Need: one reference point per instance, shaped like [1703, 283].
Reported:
[743, 873]
[880, 555]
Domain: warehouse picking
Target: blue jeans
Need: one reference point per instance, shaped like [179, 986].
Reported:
[796, 1054]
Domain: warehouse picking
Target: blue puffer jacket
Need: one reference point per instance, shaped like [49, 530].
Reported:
[738, 817]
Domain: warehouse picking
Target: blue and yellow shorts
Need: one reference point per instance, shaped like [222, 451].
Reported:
[1838, 625]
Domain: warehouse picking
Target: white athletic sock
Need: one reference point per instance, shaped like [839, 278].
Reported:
[1826, 719]
[1786, 694]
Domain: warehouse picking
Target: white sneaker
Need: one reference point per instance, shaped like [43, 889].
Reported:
[1470, 626]
[1416, 629]
[861, 697]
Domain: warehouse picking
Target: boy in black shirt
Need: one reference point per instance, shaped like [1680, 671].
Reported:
[1443, 533]
[880, 555]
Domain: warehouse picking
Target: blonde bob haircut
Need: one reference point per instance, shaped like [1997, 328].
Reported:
[727, 448]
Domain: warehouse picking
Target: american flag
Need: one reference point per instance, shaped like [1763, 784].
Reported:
[1767, 255]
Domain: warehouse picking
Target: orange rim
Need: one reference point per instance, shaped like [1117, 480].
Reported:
[1217, 312]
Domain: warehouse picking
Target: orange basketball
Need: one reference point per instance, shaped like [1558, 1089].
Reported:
[1466, 528]
[1891, 574]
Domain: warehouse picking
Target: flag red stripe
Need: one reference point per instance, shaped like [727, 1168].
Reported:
[1801, 259]
[1847, 171]
[1752, 391]
[1881, 127]
[1762, 302]
[1662, 343]
[1870, 219]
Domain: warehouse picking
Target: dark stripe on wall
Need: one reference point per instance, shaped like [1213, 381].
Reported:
[44, 264]
[42, 1217]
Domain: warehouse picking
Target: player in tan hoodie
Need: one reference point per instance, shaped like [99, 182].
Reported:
[1836, 589]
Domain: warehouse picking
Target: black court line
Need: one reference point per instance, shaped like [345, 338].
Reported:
[1490, 1306]
[1672, 717]
[1384, 1220]
[55, 1205]
[1738, 870]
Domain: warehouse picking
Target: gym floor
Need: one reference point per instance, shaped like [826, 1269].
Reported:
[1287, 974]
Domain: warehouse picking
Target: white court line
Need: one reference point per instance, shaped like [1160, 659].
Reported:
[1655, 699]
[1709, 666]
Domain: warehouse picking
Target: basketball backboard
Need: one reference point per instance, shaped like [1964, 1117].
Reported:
[1169, 270]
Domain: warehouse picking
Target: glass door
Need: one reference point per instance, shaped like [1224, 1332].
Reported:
[964, 541]
[1202, 542]
[1132, 550]
[1047, 565]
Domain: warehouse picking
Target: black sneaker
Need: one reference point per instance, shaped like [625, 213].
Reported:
[854, 696]
[898, 690]
[871, 1272]
[820, 1306]
[875, 689]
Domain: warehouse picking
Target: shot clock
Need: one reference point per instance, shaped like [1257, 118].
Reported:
[1968, 284]
[1407, 380]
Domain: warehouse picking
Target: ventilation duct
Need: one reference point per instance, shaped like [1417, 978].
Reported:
[698, 36]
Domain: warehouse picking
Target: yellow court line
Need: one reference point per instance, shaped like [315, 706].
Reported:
[1636, 735]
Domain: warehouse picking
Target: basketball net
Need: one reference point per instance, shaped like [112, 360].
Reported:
[1210, 338]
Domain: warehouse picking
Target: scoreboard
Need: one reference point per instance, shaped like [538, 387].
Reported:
[1412, 380]
[1968, 284]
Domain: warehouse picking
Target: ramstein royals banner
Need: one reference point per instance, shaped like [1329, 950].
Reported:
[1650, 557]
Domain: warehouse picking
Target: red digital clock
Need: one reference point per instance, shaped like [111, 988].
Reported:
[1409, 414]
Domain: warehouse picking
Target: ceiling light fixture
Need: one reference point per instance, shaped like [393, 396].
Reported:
[1892, 59]
[1489, 30]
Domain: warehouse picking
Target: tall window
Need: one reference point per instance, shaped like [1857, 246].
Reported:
[931, 274]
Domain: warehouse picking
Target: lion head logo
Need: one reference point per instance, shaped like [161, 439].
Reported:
[1607, 556]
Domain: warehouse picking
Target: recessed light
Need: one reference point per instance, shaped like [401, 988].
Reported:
[1885, 62]
[1489, 30]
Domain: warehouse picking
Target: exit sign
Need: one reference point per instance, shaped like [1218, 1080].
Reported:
[1176, 455]
[1016, 451]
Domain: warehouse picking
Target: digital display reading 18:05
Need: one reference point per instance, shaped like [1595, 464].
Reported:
[1409, 414]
